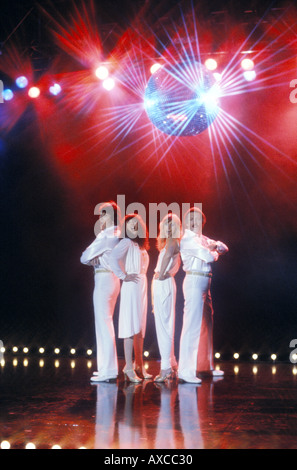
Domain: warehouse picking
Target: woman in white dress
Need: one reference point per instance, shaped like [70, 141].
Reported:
[164, 292]
[129, 261]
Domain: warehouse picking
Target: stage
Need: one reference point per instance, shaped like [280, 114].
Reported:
[47, 402]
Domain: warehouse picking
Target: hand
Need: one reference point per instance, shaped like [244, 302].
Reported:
[212, 246]
[94, 261]
[131, 278]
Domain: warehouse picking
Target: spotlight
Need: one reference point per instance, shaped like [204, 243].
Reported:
[211, 64]
[55, 89]
[30, 445]
[72, 351]
[109, 84]
[89, 352]
[5, 445]
[41, 350]
[34, 92]
[255, 357]
[155, 67]
[236, 355]
[56, 446]
[217, 355]
[249, 75]
[217, 76]
[22, 82]
[56, 350]
[273, 356]
[247, 64]
[101, 72]
[15, 349]
[146, 354]
[7, 94]
[25, 350]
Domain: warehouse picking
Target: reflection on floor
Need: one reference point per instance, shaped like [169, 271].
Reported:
[46, 403]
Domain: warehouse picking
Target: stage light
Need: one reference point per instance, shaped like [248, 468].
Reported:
[249, 75]
[25, 362]
[30, 445]
[89, 352]
[41, 350]
[89, 364]
[217, 355]
[25, 350]
[55, 89]
[56, 350]
[15, 349]
[41, 363]
[255, 370]
[101, 72]
[15, 362]
[72, 364]
[22, 82]
[155, 67]
[7, 94]
[108, 84]
[34, 92]
[236, 355]
[2, 349]
[255, 357]
[72, 351]
[236, 370]
[247, 64]
[273, 370]
[56, 446]
[57, 363]
[273, 357]
[5, 445]
[211, 64]
[146, 354]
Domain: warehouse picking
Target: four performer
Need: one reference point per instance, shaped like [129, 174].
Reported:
[120, 255]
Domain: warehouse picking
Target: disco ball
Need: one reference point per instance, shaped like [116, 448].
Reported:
[182, 99]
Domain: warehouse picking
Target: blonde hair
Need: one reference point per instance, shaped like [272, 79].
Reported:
[163, 231]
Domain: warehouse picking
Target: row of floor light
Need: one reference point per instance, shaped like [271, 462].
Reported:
[89, 352]
[108, 82]
[30, 445]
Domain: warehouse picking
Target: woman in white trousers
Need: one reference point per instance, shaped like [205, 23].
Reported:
[129, 261]
[164, 293]
[106, 291]
[197, 253]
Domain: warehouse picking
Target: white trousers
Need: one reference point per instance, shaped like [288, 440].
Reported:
[195, 289]
[164, 297]
[106, 291]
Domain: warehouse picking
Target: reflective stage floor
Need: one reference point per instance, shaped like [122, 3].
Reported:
[49, 402]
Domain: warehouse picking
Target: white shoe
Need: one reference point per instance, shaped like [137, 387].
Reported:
[190, 380]
[217, 372]
[102, 378]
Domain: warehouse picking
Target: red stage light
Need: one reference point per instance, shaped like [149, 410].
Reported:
[247, 64]
[211, 64]
[34, 92]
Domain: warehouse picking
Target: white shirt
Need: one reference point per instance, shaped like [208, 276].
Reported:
[102, 246]
[128, 258]
[173, 265]
[195, 253]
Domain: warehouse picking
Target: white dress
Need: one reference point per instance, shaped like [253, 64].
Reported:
[164, 297]
[197, 259]
[106, 291]
[128, 258]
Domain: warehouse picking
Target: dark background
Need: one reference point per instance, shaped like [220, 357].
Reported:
[51, 182]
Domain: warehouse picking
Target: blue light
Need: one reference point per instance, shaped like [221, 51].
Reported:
[182, 99]
[21, 82]
[7, 94]
[55, 89]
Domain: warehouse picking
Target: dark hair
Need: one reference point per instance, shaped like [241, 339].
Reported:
[142, 237]
[114, 210]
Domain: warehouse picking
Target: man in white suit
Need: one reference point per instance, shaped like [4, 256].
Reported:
[106, 291]
[197, 253]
